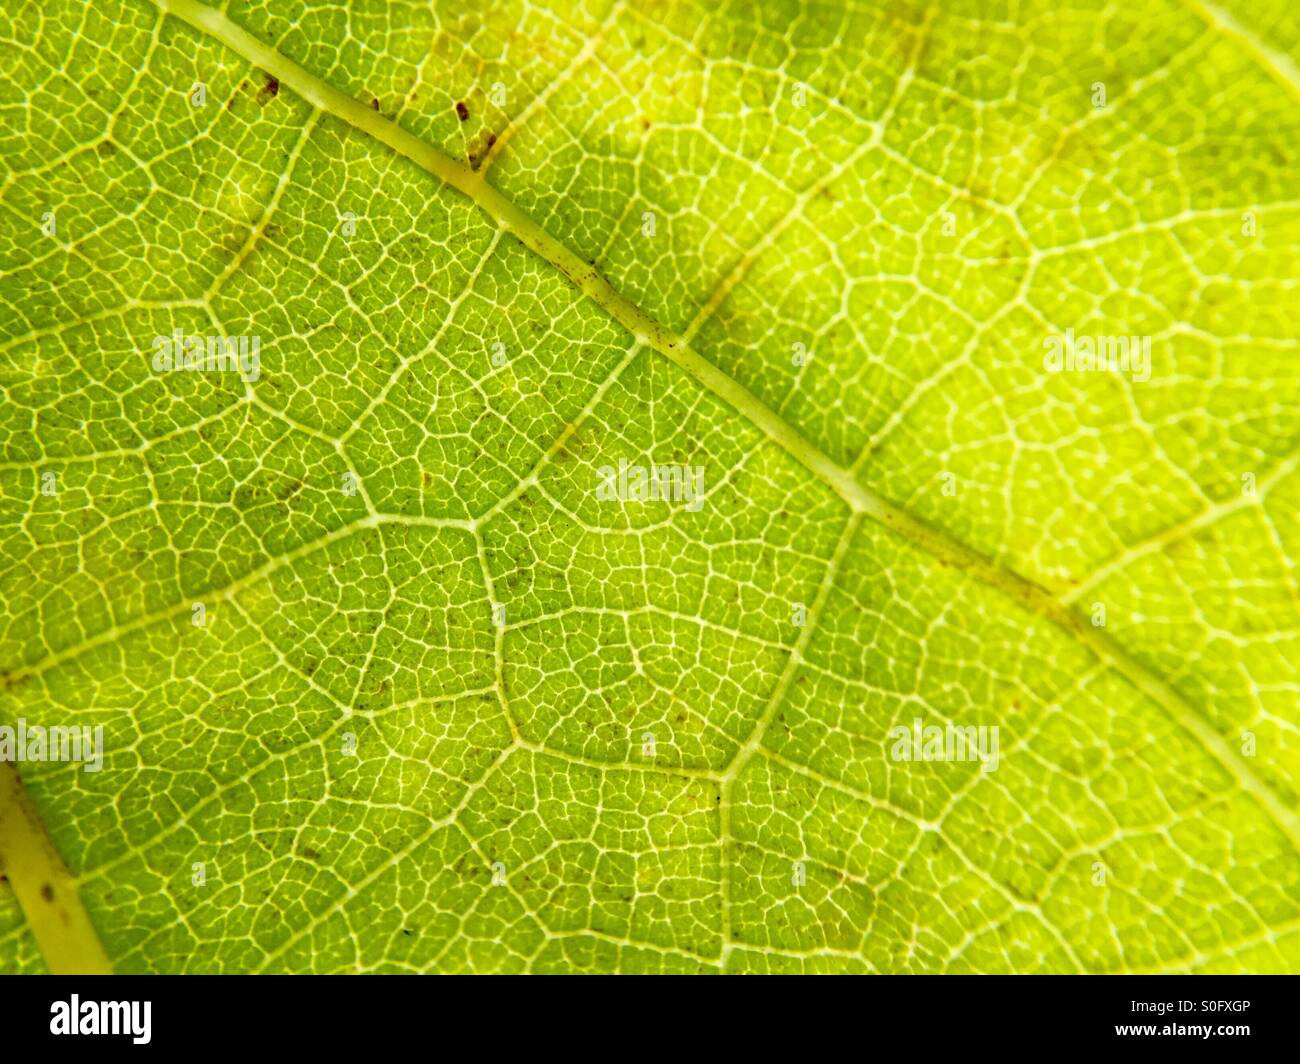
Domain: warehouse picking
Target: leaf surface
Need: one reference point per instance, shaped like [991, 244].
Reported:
[472, 716]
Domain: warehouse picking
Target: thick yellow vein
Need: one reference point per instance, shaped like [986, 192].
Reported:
[44, 887]
[651, 333]
[1278, 65]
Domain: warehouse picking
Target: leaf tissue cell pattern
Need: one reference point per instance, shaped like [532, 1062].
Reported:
[621, 488]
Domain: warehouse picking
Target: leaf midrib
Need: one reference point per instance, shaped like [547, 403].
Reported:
[647, 331]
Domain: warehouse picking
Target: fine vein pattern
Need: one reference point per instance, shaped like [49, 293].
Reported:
[748, 488]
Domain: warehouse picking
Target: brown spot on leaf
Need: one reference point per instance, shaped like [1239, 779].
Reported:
[10, 680]
[478, 151]
[462, 112]
[268, 91]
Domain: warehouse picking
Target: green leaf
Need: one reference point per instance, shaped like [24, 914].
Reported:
[387, 679]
